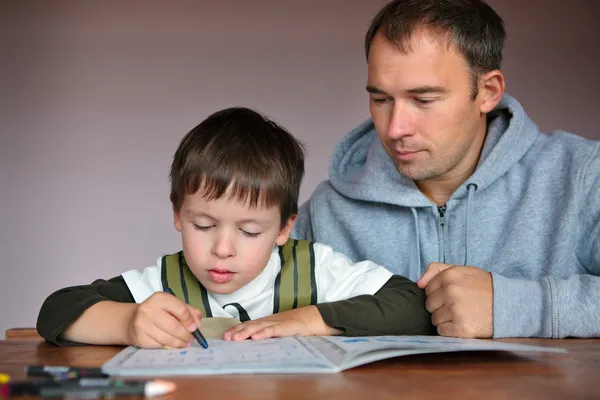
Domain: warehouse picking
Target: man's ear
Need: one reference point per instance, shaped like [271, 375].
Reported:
[491, 89]
[284, 234]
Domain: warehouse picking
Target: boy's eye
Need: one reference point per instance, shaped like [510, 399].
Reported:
[250, 234]
[202, 228]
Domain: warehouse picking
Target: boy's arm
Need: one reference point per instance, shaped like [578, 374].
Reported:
[63, 307]
[398, 308]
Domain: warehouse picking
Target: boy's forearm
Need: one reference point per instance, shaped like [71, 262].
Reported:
[398, 308]
[104, 323]
[316, 323]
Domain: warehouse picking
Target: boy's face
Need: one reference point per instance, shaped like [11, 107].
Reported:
[226, 243]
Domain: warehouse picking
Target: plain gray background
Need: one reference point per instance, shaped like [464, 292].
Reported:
[95, 96]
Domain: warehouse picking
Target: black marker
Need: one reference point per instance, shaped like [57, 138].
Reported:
[86, 387]
[63, 370]
[199, 337]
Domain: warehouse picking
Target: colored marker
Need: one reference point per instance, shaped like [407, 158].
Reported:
[64, 371]
[197, 334]
[86, 388]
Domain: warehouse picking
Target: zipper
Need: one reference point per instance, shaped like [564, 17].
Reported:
[442, 212]
[442, 231]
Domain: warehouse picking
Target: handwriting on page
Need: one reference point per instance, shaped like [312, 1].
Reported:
[224, 353]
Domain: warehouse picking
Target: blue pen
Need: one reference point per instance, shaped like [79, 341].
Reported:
[199, 337]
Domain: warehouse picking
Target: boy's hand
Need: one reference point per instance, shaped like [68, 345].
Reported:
[305, 321]
[163, 321]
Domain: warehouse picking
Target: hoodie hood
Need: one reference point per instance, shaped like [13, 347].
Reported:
[360, 167]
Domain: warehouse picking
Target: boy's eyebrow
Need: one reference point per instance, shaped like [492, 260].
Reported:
[264, 221]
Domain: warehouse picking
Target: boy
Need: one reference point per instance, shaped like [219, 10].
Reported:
[235, 182]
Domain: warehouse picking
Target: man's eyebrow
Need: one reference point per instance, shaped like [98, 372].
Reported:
[416, 90]
[374, 90]
[428, 89]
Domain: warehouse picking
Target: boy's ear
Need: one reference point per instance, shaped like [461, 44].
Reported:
[177, 219]
[284, 234]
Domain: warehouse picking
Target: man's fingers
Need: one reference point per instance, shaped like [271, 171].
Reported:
[435, 300]
[447, 329]
[433, 269]
[441, 316]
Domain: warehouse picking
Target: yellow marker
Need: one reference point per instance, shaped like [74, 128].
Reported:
[4, 378]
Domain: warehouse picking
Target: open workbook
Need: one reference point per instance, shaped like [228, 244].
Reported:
[316, 354]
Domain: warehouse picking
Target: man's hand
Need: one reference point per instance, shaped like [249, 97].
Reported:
[163, 321]
[459, 299]
[305, 321]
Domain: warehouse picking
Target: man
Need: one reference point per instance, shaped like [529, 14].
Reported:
[451, 184]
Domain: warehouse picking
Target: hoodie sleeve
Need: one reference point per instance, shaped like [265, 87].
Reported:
[557, 307]
[303, 227]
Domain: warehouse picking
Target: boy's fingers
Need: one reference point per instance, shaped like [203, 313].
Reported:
[166, 322]
[248, 330]
[267, 332]
[196, 319]
[181, 311]
[164, 339]
[229, 332]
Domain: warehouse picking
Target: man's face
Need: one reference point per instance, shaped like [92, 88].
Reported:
[422, 107]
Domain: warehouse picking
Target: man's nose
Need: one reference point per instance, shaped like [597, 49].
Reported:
[401, 123]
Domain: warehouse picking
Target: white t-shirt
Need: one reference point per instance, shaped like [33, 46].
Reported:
[337, 278]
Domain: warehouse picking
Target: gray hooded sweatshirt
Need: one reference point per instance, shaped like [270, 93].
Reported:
[529, 214]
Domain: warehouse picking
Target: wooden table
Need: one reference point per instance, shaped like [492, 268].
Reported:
[472, 375]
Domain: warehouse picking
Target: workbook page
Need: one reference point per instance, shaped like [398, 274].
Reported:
[349, 352]
[248, 356]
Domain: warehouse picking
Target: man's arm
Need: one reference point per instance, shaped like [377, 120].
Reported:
[551, 307]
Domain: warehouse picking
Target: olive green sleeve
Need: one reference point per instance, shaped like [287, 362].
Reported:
[64, 306]
[398, 308]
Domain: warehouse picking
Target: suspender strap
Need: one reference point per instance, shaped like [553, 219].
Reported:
[177, 276]
[295, 284]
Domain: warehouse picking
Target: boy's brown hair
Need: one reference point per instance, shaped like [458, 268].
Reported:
[242, 154]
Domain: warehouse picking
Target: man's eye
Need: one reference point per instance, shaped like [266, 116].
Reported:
[379, 100]
[425, 101]
[250, 234]
[202, 228]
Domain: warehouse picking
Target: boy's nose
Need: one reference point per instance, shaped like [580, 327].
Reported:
[223, 247]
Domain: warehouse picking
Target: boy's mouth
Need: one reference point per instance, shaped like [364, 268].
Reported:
[220, 275]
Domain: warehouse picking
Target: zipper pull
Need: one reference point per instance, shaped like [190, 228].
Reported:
[442, 212]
